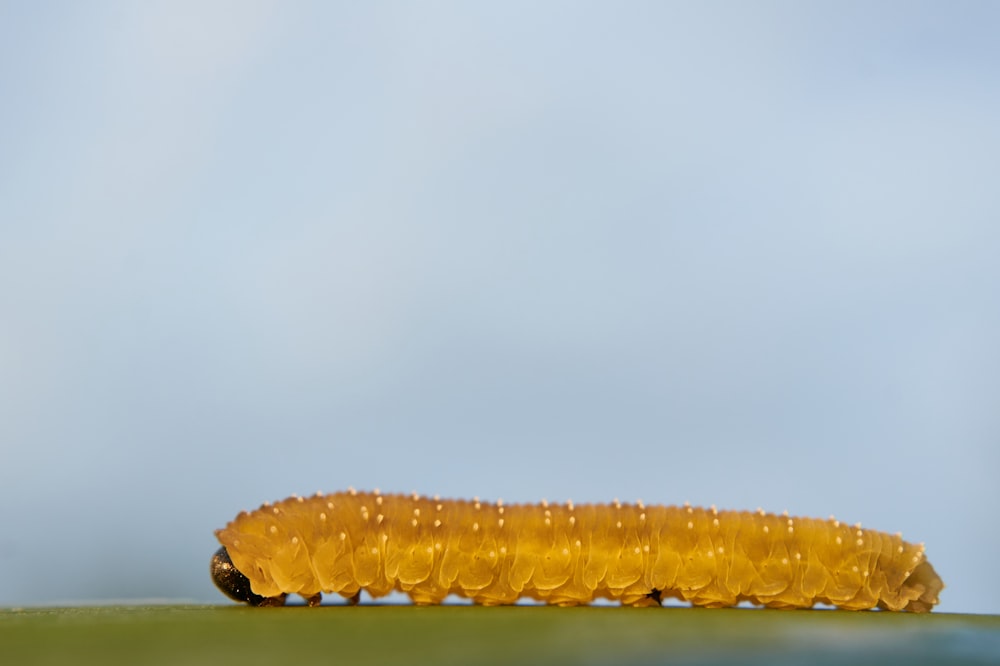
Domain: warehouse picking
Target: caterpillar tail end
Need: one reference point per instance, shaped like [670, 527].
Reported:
[925, 582]
[235, 585]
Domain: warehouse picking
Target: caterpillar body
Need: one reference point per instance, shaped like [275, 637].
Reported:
[563, 554]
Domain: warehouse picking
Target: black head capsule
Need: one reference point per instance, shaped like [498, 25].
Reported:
[235, 585]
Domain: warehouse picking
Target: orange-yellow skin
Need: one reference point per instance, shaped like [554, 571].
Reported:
[568, 555]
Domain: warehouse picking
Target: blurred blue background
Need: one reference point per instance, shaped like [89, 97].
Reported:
[725, 252]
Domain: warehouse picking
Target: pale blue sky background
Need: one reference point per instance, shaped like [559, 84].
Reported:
[741, 253]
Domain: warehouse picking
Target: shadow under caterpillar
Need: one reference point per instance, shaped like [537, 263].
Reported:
[562, 554]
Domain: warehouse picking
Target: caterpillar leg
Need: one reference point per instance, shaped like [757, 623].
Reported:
[270, 601]
[642, 600]
[235, 585]
[314, 600]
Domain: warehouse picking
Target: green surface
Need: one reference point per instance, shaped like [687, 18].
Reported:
[466, 634]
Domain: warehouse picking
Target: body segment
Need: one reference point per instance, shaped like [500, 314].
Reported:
[564, 554]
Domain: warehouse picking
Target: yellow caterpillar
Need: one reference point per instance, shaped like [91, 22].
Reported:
[562, 554]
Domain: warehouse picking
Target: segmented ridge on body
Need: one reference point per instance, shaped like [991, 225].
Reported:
[563, 554]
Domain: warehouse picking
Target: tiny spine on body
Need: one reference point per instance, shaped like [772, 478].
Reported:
[563, 554]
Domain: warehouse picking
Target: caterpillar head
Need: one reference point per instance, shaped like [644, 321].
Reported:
[235, 585]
